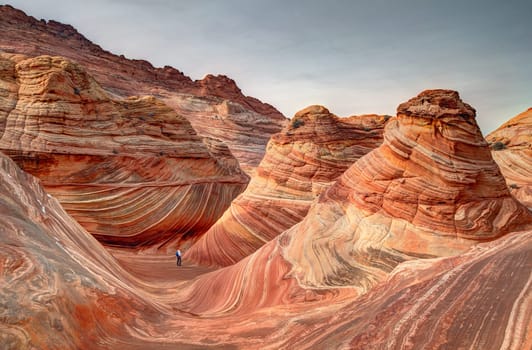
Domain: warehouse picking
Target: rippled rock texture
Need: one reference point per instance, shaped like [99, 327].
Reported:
[59, 288]
[215, 105]
[430, 190]
[511, 146]
[131, 171]
[479, 300]
[300, 162]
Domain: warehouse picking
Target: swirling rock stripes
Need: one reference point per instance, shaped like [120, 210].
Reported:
[479, 300]
[55, 278]
[301, 161]
[131, 171]
[511, 146]
[431, 189]
[60, 289]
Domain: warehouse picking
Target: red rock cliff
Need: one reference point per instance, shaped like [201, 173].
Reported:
[199, 101]
[131, 171]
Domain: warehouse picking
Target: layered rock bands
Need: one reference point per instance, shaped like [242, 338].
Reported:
[430, 190]
[215, 105]
[300, 162]
[131, 171]
[511, 146]
[381, 277]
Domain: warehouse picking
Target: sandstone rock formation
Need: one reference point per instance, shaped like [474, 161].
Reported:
[300, 162]
[511, 146]
[131, 171]
[479, 300]
[430, 190]
[59, 288]
[214, 105]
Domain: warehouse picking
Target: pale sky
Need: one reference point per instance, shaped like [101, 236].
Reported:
[354, 57]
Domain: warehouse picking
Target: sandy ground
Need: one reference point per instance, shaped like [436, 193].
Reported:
[155, 268]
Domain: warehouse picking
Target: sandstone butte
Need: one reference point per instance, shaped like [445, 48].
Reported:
[60, 289]
[511, 146]
[301, 161]
[215, 106]
[131, 171]
[430, 190]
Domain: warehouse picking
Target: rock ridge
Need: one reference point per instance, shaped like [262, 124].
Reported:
[301, 161]
[200, 101]
[131, 171]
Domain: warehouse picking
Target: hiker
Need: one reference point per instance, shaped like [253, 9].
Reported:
[178, 256]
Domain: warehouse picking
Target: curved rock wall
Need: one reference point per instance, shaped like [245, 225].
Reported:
[430, 190]
[511, 146]
[300, 163]
[131, 171]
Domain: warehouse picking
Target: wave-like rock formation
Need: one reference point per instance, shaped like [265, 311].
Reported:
[479, 300]
[430, 190]
[300, 162]
[511, 146]
[131, 171]
[59, 288]
[215, 105]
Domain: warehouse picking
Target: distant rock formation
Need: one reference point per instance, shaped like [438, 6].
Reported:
[511, 146]
[430, 190]
[300, 162]
[131, 171]
[215, 105]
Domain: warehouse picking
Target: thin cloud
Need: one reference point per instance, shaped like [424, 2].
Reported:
[352, 56]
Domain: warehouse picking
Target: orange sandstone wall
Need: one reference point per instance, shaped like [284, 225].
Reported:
[511, 146]
[131, 171]
[300, 162]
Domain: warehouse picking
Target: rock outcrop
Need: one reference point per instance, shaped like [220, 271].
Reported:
[300, 162]
[430, 190]
[59, 288]
[479, 300]
[131, 171]
[244, 131]
[215, 105]
[511, 146]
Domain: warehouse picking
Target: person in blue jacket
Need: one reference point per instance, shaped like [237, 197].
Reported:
[178, 256]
